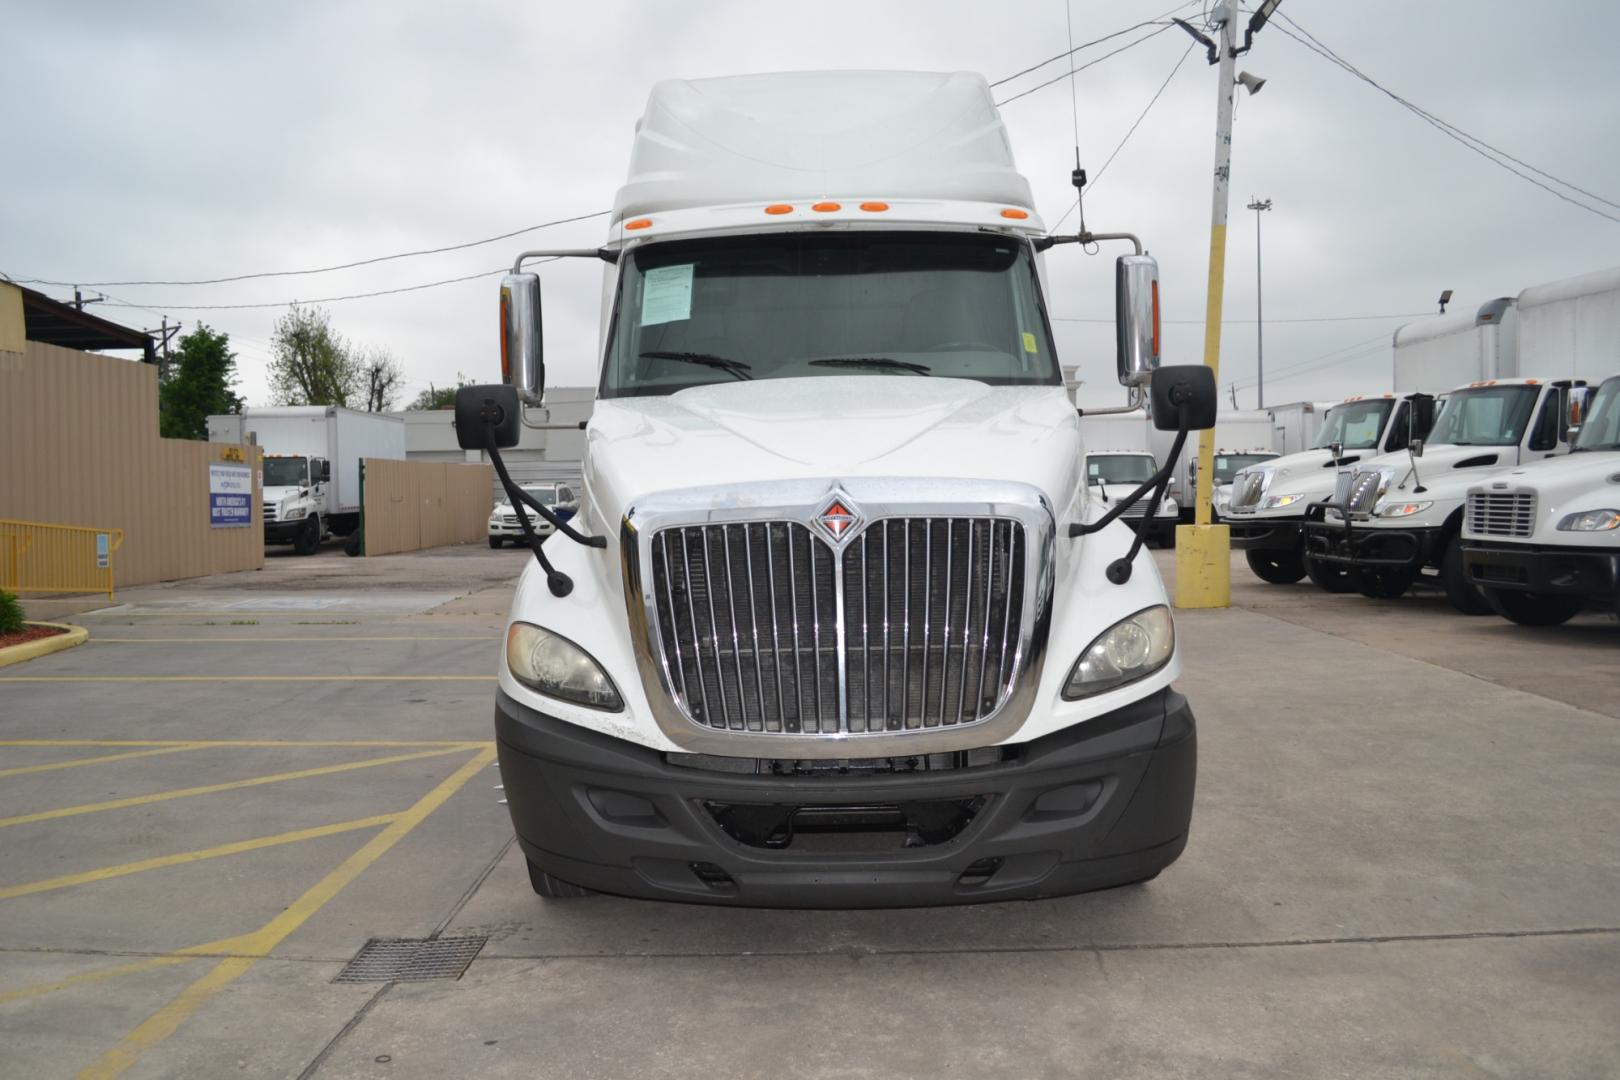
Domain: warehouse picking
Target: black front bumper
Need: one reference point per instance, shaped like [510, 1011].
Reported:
[1264, 534]
[1344, 544]
[1590, 572]
[1102, 803]
[283, 532]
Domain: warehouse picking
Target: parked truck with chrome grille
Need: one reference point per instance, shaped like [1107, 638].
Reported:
[1542, 542]
[1267, 504]
[838, 622]
[1395, 519]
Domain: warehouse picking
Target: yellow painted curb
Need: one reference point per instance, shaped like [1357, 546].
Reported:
[28, 650]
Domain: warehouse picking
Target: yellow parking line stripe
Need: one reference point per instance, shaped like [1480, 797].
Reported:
[99, 760]
[242, 678]
[158, 862]
[163, 1023]
[459, 744]
[277, 640]
[209, 789]
[91, 977]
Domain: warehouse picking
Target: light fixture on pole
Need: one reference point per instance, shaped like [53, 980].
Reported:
[1445, 298]
[1257, 205]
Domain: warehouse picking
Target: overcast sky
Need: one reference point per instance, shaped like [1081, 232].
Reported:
[182, 141]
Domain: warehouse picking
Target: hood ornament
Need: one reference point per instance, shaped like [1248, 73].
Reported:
[838, 518]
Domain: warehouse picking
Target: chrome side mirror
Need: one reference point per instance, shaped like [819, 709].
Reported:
[523, 365]
[1136, 318]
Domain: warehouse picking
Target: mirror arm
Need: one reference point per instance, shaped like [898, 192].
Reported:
[1158, 480]
[609, 255]
[1044, 242]
[1137, 397]
[561, 526]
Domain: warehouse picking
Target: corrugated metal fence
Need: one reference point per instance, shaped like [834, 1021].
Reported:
[410, 505]
[79, 445]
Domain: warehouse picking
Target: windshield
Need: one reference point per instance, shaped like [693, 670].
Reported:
[1601, 429]
[1118, 468]
[1355, 425]
[1227, 465]
[790, 305]
[1484, 416]
[284, 472]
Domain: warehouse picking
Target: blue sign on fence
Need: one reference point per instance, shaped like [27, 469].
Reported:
[230, 496]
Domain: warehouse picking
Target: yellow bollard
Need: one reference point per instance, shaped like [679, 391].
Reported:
[1203, 566]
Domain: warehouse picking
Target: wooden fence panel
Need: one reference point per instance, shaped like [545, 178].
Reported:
[410, 505]
[79, 445]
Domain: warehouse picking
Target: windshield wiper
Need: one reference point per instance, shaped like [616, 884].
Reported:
[881, 362]
[735, 367]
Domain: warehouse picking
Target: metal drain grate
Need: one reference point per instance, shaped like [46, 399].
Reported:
[411, 959]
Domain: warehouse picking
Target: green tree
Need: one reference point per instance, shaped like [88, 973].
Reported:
[199, 385]
[439, 397]
[310, 364]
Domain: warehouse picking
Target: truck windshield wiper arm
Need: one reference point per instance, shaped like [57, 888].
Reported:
[735, 367]
[882, 362]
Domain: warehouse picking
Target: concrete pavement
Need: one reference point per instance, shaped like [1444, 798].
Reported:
[1402, 864]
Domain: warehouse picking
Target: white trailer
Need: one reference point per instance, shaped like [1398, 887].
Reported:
[1294, 425]
[311, 465]
[1571, 328]
[1434, 355]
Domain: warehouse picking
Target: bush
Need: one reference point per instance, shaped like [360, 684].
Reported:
[11, 613]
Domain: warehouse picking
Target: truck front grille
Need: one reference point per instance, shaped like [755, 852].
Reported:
[1501, 514]
[1365, 487]
[1246, 490]
[764, 628]
[270, 511]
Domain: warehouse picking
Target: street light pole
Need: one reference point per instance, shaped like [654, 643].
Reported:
[1258, 205]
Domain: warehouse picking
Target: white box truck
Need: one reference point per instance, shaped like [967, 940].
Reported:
[842, 625]
[1542, 542]
[1398, 519]
[1294, 425]
[311, 466]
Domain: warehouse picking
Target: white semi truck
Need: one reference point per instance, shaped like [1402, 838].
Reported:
[1542, 542]
[311, 466]
[838, 622]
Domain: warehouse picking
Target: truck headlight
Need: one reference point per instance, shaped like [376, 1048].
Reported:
[556, 667]
[295, 513]
[1131, 649]
[1273, 502]
[1399, 510]
[1591, 521]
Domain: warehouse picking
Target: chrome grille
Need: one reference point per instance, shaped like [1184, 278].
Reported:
[1365, 487]
[1246, 489]
[1341, 487]
[762, 630]
[1501, 514]
[955, 586]
[270, 511]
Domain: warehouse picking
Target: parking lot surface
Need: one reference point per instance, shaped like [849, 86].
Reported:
[1403, 863]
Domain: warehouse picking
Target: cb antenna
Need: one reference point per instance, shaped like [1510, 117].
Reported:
[1078, 177]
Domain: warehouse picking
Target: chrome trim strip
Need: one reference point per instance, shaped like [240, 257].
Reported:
[881, 500]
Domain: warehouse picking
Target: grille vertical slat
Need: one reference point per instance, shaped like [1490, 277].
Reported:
[956, 583]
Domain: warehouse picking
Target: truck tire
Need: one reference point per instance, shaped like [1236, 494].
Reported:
[351, 546]
[1534, 609]
[1383, 584]
[309, 537]
[1328, 576]
[1167, 536]
[553, 888]
[1463, 594]
[495, 541]
[1276, 567]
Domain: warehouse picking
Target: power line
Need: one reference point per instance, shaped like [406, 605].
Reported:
[1451, 131]
[1328, 359]
[326, 299]
[1305, 319]
[1090, 63]
[1073, 48]
[320, 269]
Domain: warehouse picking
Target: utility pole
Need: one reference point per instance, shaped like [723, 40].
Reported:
[1203, 550]
[1259, 306]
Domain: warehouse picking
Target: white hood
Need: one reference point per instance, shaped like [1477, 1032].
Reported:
[832, 427]
[274, 495]
[1564, 485]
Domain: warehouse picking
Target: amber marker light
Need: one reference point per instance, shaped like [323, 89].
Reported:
[1014, 214]
[779, 208]
[874, 207]
[639, 223]
[826, 207]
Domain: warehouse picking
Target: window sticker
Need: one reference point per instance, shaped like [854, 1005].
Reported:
[666, 294]
[1029, 342]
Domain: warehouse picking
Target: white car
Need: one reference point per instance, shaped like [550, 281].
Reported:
[503, 520]
[1114, 474]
